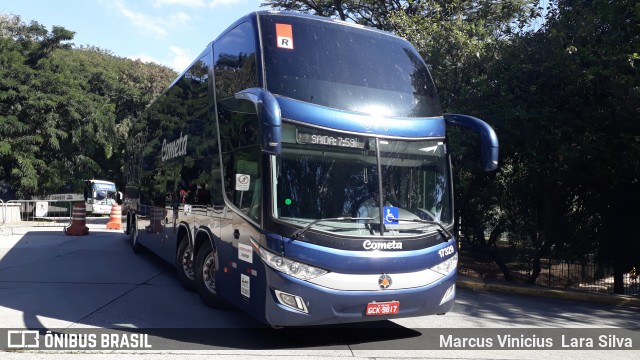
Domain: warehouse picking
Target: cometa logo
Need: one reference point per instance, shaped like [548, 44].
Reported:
[175, 148]
[384, 281]
[382, 245]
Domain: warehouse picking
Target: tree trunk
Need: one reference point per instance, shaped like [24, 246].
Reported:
[536, 269]
[502, 265]
[618, 279]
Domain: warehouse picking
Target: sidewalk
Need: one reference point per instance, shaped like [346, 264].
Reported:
[534, 290]
[53, 227]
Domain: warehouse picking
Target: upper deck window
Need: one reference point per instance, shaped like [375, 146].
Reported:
[345, 67]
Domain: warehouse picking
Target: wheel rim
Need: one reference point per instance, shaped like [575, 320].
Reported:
[208, 273]
[187, 263]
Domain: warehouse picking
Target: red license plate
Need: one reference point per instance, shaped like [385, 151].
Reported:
[383, 308]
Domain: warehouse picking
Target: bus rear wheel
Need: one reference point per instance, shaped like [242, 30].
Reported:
[132, 230]
[184, 264]
[205, 276]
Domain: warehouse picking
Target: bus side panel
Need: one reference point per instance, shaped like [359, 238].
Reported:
[153, 234]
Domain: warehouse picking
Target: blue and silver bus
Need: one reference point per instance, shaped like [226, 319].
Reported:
[97, 195]
[298, 169]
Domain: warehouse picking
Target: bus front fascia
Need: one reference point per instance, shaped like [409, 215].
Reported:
[269, 116]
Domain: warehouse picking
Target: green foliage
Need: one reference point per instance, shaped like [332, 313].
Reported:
[458, 39]
[65, 112]
[365, 12]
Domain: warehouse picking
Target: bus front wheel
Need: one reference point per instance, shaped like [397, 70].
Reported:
[205, 276]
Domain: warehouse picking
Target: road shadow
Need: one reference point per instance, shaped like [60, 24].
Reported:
[66, 284]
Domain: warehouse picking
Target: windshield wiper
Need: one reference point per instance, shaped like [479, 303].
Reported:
[430, 222]
[298, 234]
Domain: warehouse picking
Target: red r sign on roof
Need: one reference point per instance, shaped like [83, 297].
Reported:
[284, 35]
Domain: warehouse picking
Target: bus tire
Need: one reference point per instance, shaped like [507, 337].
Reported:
[205, 276]
[184, 264]
[132, 230]
[127, 228]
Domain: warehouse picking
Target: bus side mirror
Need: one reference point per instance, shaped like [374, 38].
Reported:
[488, 137]
[268, 111]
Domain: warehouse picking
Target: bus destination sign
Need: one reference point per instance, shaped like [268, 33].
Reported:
[329, 140]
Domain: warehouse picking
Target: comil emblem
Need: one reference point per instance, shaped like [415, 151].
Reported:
[384, 281]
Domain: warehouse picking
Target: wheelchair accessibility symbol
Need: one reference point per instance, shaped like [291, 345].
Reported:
[390, 215]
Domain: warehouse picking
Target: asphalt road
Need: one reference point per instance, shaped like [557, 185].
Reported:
[81, 284]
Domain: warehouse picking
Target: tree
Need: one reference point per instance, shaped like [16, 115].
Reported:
[564, 101]
[368, 12]
[65, 112]
[23, 47]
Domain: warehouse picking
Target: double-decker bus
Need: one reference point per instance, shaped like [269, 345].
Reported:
[298, 169]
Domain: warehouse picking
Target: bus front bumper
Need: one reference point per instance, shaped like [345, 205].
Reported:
[100, 209]
[293, 302]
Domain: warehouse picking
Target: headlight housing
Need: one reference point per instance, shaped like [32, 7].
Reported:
[447, 266]
[290, 267]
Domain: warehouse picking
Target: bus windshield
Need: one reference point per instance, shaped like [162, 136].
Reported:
[343, 67]
[104, 191]
[321, 174]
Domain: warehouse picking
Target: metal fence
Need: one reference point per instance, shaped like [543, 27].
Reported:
[591, 272]
[34, 213]
[2, 212]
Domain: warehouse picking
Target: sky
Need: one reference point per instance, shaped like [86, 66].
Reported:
[168, 32]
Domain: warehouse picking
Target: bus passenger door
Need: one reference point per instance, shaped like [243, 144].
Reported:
[241, 285]
[243, 188]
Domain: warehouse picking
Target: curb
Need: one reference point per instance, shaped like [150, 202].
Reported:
[532, 290]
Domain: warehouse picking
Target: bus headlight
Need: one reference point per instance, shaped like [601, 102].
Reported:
[290, 267]
[447, 266]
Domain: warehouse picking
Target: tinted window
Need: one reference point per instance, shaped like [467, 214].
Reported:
[193, 185]
[235, 61]
[346, 67]
[172, 156]
[235, 70]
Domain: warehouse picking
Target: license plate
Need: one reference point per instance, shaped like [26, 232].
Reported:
[383, 308]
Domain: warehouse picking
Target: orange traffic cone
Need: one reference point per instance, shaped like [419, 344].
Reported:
[115, 219]
[78, 225]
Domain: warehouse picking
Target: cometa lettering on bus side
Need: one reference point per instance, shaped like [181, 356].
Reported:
[379, 245]
[175, 148]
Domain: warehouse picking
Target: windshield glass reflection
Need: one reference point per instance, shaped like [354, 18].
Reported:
[330, 175]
